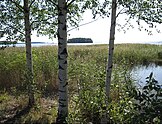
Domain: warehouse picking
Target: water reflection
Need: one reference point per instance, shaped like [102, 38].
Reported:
[140, 72]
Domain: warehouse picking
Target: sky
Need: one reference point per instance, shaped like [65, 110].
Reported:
[98, 31]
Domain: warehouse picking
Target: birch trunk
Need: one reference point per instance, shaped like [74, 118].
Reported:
[62, 60]
[28, 53]
[111, 48]
[104, 119]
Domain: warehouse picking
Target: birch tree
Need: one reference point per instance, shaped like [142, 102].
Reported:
[69, 12]
[17, 21]
[148, 11]
[111, 47]
[62, 53]
[13, 14]
[62, 60]
[28, 52]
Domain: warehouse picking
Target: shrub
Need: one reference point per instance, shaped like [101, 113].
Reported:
[148, 102]
[159, 55]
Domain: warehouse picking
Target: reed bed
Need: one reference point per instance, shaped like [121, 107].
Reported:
[13, 63]
[86, 77]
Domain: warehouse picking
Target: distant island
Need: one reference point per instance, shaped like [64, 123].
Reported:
[7, 42]
[80, 40]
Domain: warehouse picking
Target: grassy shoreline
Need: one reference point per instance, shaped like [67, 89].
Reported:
[12, 61]
[86, 67]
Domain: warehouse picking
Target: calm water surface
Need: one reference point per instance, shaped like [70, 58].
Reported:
[139, 73]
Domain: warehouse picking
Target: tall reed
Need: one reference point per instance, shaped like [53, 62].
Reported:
[12, 63]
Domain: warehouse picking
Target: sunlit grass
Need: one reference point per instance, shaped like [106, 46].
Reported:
[137, 53]
[13, 62]
[86, 64]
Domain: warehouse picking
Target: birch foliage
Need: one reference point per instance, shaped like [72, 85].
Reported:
[141, 10]
[12, 23]
[148, 11]
[17, 21]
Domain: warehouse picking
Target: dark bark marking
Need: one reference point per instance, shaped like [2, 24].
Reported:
[62, 100]
[64, 51]
[60, 78]
[61, 91]
[59, 37]
[60, 14]
[65, 62]
[110, 67]
[59, 57]
[65, 28]
[60, 43]
[59, 22]
[63, 106]
[61, 67]
[65, 84]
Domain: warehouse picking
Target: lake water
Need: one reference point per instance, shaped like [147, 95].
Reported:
[39, 44]
[139, 73]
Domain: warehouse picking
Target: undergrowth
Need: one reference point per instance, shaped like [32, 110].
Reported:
[86, 77]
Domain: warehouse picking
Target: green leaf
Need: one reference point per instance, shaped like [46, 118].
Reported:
[152, 95]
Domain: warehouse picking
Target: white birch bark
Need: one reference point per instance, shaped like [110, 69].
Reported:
[111, 47]
[28, 52]
[104, 119]
[62, 60]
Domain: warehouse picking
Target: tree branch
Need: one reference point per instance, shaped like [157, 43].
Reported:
[53, 3]
[120, 12]
[18, 5]
[84, 24]
[40, 20]
[70, 3]
[14, 28]
[31, 3]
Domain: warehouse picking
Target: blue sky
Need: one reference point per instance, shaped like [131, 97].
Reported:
[98, 31]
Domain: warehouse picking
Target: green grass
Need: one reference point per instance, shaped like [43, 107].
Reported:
[13, 63]
[86, 68]
[137, 53]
